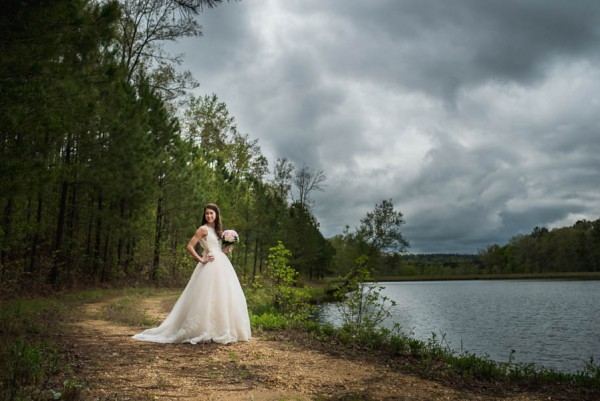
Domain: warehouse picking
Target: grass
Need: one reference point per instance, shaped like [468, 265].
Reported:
[33, 367]
[269, 321]
[127, 310]
[28, 350]
[434, 360]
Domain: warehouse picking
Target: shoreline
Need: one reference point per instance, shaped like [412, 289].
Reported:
[309, 364]
[507, 276]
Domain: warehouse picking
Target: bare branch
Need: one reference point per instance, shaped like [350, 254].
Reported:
[307, 181]
[195, 6]
[147, 23]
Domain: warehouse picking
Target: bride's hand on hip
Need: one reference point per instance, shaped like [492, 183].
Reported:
[208, 258]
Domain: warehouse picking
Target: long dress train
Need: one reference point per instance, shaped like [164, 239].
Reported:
[212, 307]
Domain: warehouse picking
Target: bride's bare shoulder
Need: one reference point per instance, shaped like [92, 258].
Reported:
[202, 232]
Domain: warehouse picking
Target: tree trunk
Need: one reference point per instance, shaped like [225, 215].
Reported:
[129, 248]
[96, 254]
[60, 224]
[105, 256]
[259, 253]
[88, 241]
[120, 241]
[255, 258]
[130, 251]
[6, 225]
[36, 236]
[246, 250]
[157, 240]
[71, 228]
[72, 216]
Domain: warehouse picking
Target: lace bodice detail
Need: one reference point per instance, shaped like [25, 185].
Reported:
[211, 243]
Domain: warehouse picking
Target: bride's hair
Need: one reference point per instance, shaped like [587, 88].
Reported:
[218, 225]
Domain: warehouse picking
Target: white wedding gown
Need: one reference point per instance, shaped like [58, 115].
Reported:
[212, 307]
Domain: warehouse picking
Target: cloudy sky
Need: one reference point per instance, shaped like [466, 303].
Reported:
[479, 119]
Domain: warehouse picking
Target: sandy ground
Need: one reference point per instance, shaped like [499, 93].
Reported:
[270, 367]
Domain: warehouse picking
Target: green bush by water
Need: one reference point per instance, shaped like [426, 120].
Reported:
[363, 310]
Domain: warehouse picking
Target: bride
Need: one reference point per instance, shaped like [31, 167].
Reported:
[212, 307]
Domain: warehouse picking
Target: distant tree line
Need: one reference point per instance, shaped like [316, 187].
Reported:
[439, 264]
[105, 165]
[567, 249]
[560, 250]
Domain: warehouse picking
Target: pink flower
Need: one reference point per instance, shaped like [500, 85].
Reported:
[229, 237]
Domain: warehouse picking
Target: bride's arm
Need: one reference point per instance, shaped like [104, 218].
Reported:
[199, 236]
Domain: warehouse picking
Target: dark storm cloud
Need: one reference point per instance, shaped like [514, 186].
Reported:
[478, 118]
[440, 46]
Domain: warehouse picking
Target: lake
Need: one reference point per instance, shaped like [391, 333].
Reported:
[552, 323]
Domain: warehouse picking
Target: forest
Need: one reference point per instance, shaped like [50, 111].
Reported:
[107, 158]
[565, 249]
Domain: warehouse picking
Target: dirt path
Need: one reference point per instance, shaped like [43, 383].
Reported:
[115, 367]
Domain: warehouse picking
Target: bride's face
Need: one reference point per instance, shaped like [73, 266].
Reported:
[210, 216]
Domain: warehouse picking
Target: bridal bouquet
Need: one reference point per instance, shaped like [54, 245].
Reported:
[230, 237]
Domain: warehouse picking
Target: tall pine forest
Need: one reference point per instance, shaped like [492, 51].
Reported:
[107, 161]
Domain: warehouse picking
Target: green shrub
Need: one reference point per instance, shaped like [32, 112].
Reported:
[268, 321]
[29, 358]
[361, 305]
[278, 293]
[399, 344]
